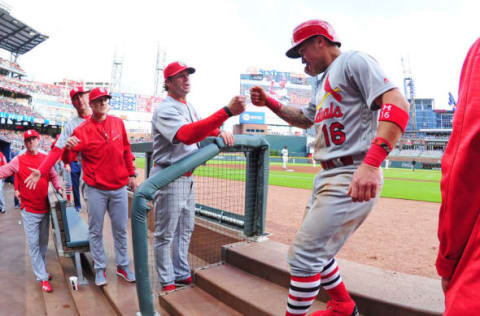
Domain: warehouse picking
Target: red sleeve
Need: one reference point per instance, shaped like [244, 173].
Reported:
[71, 155]
[50, 161]
[215, 132]
[16, 181]
[460, 169]
[197, 131]
[127, 152]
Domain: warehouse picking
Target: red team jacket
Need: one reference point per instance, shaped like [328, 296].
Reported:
[459, 222]
[106, 154]
[34, 201]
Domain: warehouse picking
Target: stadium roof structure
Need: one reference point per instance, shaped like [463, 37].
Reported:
[17, 37]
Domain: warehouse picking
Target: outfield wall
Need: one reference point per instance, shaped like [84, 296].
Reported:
[297, 145]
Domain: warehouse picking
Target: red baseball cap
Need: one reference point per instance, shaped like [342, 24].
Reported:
[176, 67]
[97, 93]
[30, 133]
[77, 90]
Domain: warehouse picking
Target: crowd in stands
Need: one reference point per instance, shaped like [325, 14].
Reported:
[29, 87]
[140, 139]
[9, 105]
[9, 64]
[16, 140]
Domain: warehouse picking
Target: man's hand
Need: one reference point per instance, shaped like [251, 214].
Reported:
[72, 142]
[32, 179]
[365, 183]
[60, 191]
[237, 105]
[17, 194]
[227, 137]
[258, 96]
[132, 184]
[445, 284]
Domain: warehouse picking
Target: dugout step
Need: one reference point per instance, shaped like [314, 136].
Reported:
[244, 292]
[121, 295]
[20, 293]
[59, 302]
[376, 291]
[193, 301]
[89, 299]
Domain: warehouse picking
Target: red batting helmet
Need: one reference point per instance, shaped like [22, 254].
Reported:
[97, 93]
[174, 68]
[309, 29]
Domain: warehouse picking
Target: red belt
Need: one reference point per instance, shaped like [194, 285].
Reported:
[337, 162]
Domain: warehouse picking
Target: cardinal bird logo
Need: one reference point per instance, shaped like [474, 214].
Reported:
[334, 92]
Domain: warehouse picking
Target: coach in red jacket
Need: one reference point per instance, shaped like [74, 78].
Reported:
[458, 261]
[35, 209]
[107, 170]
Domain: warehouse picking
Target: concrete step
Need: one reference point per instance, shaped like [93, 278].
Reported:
[60, 301]
[89, 300]
[20, 293]
[193, 301]
[245, 292]
[121, 294]
[376, 291]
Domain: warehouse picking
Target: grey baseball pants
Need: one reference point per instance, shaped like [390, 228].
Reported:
[36, 228]
[115, 202]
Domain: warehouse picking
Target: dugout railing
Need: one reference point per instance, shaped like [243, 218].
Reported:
[255, 150]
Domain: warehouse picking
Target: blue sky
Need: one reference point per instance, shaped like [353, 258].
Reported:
[223, 38]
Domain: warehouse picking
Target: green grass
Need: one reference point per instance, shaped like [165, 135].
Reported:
[140, 162]
[420, 185]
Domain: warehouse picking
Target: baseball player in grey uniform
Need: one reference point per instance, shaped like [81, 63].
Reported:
[352, 140]
[177, 129]
[79, 98]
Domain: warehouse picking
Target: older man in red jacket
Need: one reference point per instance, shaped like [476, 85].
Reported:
[35, 209]
[458, 261]
[107, 170]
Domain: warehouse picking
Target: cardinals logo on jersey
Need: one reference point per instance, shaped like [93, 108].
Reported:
[332, 110]
[335, 93]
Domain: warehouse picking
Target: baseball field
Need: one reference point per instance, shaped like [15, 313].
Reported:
[418, 185]
[399, 234]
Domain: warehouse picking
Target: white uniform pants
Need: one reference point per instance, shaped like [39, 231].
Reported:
[330, 218]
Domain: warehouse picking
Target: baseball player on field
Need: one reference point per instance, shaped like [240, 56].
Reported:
[284, 153]
[177, 129]
[107, 170]
[79, 98]
[352, 140]
[458, 261]
[34, 204]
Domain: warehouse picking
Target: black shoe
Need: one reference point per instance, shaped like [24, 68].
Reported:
[2, 210]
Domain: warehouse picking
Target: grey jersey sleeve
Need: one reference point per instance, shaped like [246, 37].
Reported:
[67, 131]
[364, 71]
[168, 121]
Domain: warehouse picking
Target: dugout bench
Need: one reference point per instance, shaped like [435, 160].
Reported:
[70, 232]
